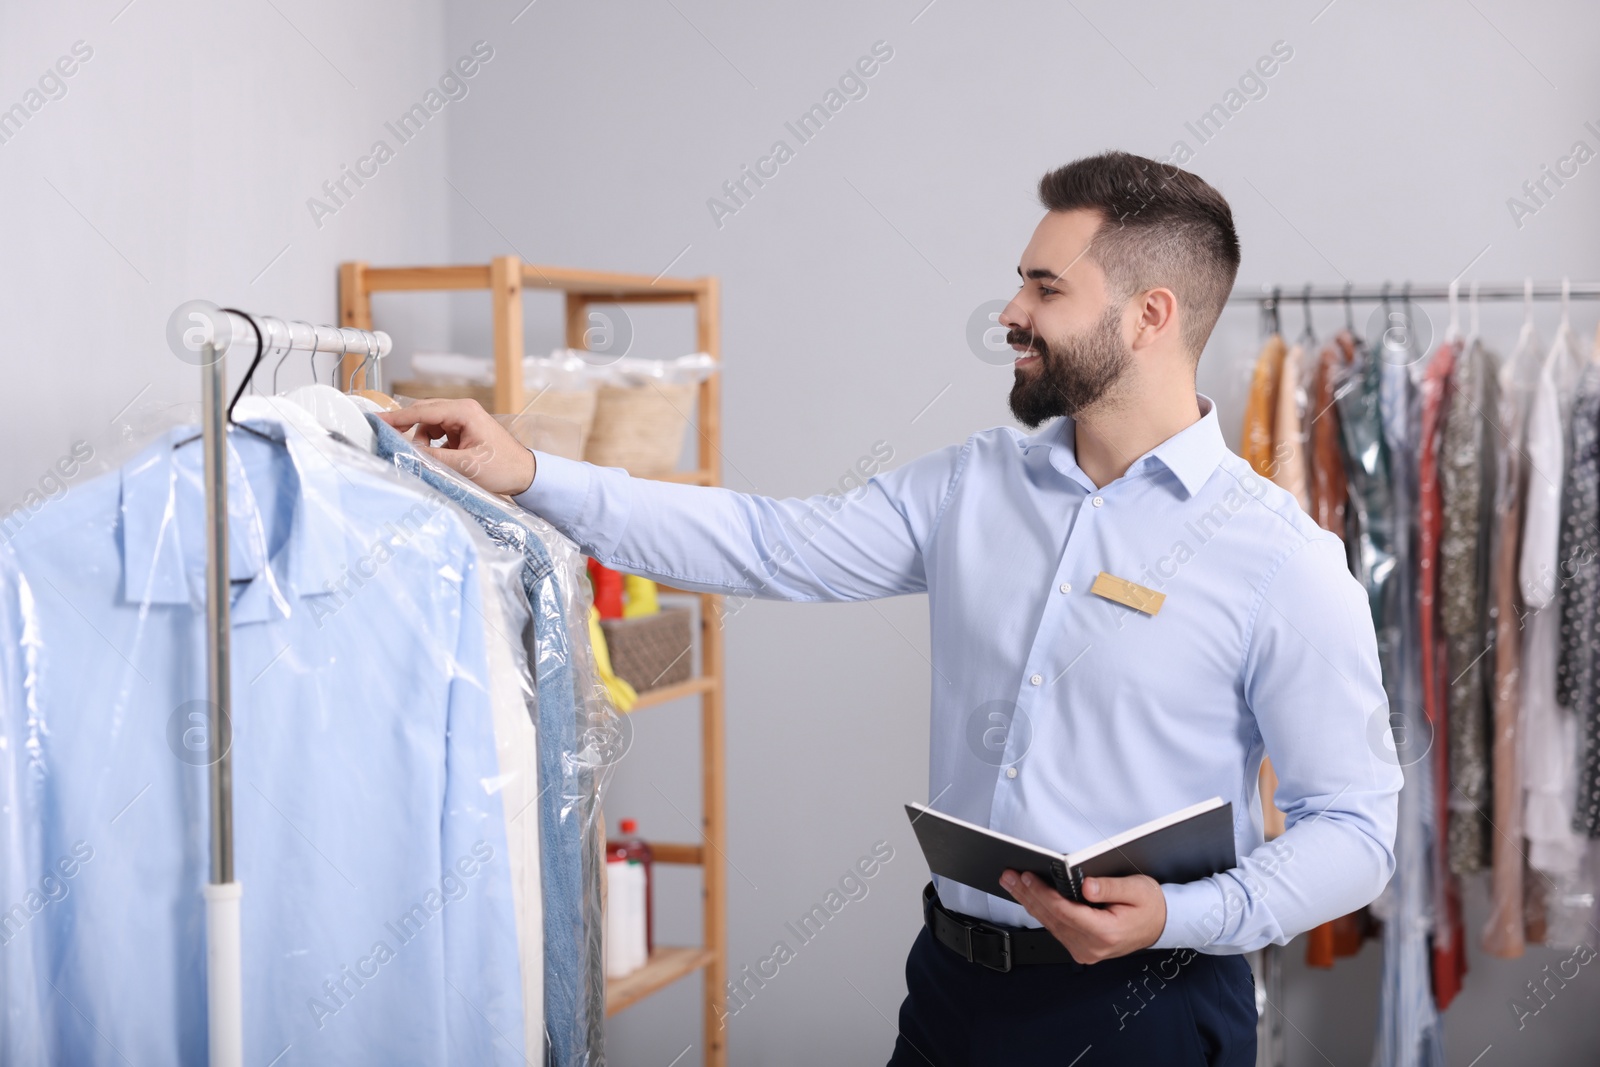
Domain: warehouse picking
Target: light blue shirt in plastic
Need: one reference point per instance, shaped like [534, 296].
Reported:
[1060, 716]
[378, 922]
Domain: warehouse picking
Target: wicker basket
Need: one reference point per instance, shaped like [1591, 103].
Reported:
[651, 651]
[576, 406]
[640, 429]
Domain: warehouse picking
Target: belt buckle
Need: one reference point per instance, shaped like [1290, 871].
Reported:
[1004, 965]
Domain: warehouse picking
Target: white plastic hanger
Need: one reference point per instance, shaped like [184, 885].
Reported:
[335, 412]
[1452, 333]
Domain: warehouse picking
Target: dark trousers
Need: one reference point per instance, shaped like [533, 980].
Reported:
[1172, 1007]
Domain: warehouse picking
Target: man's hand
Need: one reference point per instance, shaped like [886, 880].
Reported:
[1134, 920]
[475, 444]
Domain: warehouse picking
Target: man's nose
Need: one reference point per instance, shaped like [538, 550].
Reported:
[1013, 317]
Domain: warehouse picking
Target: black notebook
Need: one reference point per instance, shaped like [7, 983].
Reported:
[1195, 842]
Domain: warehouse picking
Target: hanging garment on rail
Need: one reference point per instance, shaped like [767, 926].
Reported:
[1467, 475]
[1288, 428]
[1580, 597]
[1330, 492]
[378, 922]
[1449, 934]
[1518, 376]
[506, 623]
[1550, 737]
[574, 983]
[1382, 412]
[1260, 408]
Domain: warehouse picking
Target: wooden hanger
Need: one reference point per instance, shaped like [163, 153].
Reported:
[383, 400]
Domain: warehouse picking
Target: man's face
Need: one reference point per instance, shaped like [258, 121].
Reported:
[1067, 333]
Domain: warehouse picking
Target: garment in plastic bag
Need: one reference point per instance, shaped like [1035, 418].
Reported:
[574, 982]
[378, 919]
[1503, 933]
[507, 625]
[1550, 738]
[1466, 472]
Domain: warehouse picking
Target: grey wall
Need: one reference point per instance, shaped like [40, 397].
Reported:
[178, 165]
[179, 162]
[1384, 148]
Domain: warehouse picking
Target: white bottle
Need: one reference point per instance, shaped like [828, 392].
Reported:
[624, 945]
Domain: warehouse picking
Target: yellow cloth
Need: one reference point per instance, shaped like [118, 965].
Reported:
[623, 697]
[638, 597]
[1288, 454]
[1255, 443]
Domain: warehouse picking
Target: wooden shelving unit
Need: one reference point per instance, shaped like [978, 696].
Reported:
[508, 278]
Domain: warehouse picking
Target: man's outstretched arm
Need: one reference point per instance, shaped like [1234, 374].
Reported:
[852, 546]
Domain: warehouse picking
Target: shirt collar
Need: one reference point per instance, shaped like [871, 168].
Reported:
[1191, 454]
[163, 526]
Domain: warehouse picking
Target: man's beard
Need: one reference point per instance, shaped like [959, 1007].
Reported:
[1070, 374]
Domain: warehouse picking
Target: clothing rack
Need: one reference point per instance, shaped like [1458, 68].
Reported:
[1268, 295]
[202, 332]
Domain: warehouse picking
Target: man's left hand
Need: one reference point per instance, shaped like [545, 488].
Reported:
[1134, 918]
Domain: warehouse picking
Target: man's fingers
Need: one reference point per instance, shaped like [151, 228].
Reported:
[438, 418]
[1133, 889]
[459, 460]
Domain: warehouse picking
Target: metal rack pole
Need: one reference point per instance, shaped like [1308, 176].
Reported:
[1290, 294]
[224, 973]
[224, 963]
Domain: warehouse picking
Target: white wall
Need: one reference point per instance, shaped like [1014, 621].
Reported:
[178, 165]
[1385, 148]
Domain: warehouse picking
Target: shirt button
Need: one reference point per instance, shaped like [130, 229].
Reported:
[1011, 772]
[1066, 587]
[1099, 501]
[1037, 679]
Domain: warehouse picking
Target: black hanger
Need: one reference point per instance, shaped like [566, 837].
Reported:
[1308, 336]
[240, 391]
[1349, 312]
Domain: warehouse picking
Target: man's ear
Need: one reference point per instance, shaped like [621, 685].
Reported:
[1157, 318]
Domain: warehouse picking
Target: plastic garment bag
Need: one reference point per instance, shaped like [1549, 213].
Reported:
[379, 922]
[572, 753]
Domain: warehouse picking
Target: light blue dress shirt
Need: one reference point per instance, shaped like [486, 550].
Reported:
[1061, 717]
[363, 755]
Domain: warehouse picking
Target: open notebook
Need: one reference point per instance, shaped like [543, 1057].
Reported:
[1189, 844]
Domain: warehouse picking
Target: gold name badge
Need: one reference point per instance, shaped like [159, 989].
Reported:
[1125, 592]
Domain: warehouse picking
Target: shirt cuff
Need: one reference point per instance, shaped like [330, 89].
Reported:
[559, 490]
[1195, 915]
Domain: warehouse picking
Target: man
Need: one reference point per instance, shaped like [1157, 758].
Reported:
[1062, 716]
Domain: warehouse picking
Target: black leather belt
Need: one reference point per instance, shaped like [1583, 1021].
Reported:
[998, 948]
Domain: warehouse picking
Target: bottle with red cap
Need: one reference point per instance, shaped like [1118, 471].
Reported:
[629, 848]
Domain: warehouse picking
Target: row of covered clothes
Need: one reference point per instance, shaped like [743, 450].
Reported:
[1464, 484]
[417, 741]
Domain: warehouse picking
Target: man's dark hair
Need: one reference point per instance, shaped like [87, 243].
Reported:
[1159, 227]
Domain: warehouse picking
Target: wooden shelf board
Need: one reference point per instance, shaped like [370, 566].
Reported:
[652, 697]
[414, 279]
[668, 963]
[608, 284]
[675, 852]
[594, 284]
